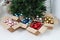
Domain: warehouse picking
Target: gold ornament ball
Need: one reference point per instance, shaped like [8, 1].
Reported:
[52, 22]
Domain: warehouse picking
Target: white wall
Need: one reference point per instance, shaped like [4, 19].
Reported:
[57, 8]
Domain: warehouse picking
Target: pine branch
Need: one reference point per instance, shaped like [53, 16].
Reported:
[28, 7]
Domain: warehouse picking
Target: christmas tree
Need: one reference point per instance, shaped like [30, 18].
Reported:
[29, 8]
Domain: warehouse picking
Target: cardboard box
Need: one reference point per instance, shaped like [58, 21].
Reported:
[36, 32]
[8, 27]
[49, 26]
[22, 25]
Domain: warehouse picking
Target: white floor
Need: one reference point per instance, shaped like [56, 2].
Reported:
[22, 34]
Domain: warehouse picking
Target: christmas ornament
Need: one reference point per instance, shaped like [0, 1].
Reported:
[36, 28]
[16, 14]
[25, 22]
[36, 25]
[10, 23]
[49, 20]
[20, 17]
[38, 19]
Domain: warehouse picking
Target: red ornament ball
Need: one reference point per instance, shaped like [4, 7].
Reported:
[36, 25]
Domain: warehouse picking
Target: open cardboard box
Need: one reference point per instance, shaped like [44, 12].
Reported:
[8, 27]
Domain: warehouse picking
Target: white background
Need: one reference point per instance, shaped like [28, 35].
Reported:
[57, 8]
[22, 34]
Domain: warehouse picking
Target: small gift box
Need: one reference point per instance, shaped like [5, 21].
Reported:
[49, 20]
[24, 23]
[36, 28]
[10, 23]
